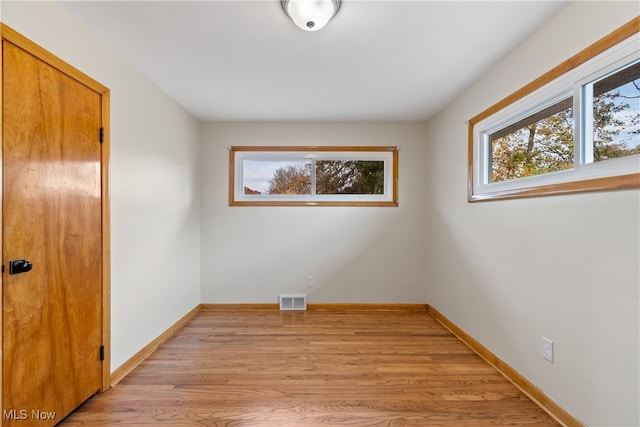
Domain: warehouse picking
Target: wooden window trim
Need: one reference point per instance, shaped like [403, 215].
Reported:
[232, 161]
[580, 186]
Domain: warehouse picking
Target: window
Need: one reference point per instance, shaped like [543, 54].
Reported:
[575, 129]
[541, 142]
[612, 109]
[330, 176]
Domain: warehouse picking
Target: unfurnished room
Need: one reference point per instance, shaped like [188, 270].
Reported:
[301, 213]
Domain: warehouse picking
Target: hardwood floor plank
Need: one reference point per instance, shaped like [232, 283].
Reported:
[317, 368]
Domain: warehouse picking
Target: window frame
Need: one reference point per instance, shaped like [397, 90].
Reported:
[566, 79]
[387, 153]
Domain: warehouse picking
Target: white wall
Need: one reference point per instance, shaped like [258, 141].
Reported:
[563, 267]
[357, 254]
[154, 182]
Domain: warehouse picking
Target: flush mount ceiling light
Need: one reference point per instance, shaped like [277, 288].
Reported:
[310, 15]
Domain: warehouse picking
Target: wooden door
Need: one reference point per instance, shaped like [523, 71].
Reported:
[51, 195]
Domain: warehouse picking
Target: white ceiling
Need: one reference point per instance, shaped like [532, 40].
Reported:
[376, 60]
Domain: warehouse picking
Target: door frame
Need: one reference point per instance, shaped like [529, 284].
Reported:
[10, 35]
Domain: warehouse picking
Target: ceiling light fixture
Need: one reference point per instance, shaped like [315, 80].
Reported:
[310, 15]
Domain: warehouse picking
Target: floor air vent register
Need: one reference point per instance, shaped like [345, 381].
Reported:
[293, 302]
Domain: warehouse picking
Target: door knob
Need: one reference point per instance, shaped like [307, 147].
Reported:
[19, 266]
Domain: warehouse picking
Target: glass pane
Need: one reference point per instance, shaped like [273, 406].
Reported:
[349, 177]
[616, 114]
[276, 177]
[537, 144]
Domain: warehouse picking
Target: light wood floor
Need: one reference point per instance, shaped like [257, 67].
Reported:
[315, 368]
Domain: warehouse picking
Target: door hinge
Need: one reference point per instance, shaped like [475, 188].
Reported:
[101, 353]
[101, 135]
[3, 268]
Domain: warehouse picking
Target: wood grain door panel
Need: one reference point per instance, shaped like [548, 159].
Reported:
[51, 174]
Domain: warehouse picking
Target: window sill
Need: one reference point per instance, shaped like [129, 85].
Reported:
[620, 182]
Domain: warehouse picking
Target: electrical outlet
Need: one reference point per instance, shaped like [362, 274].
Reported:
[547, 349]
[311, 281]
